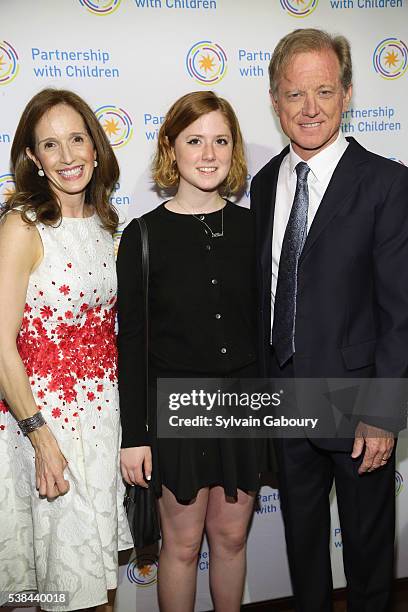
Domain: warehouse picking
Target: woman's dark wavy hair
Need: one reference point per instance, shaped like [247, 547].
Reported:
[33, 193]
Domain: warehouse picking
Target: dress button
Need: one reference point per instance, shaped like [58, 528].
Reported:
[214, 281]
[208, 247]
[223, 350]
[218, 316]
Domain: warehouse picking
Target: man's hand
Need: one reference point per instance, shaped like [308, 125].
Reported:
[378, 445]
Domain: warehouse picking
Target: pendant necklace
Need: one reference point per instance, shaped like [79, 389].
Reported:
[201, 220]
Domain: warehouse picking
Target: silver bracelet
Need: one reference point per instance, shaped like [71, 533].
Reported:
[32, 423]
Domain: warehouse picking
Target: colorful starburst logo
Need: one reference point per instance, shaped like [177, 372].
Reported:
[299, 8]
[117, 124]
[206, 62]
[399, 483]
[142, 570]
[100, 7]
[9, 65]
[390, 58]
[7, 187]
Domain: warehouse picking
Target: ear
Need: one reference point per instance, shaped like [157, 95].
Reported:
[347, 98]
[274, 100]
[33, 158]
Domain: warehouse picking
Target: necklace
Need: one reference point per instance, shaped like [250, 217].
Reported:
[200, 218]
[213, 234]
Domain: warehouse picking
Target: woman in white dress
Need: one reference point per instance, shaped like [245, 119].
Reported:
[61, 513]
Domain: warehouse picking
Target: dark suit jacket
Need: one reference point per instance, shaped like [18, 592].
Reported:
[352, 299]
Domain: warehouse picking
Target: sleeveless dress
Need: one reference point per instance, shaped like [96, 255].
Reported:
[67, 345]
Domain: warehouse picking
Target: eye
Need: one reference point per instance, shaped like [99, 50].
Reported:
[49, 145]
[325, 93]
[294, 95]
[78, 139]
[222, 141]
[193, 141]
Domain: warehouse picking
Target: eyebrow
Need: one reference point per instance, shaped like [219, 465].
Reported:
[71, 134]
[202, 135]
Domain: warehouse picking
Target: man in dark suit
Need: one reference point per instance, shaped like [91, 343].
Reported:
[332, 264]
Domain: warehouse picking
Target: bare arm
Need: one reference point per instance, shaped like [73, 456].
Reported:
[20, 253]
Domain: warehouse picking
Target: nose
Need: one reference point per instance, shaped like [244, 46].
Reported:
[310, 106]
[208, 151]
[66, 154]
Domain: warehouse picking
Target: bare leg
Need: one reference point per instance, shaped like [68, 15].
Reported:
[226, 527]
[182, 529]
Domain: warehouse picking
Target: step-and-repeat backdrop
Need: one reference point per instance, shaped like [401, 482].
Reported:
[130, 59]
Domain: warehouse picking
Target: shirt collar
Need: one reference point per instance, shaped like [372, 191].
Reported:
[322, 164]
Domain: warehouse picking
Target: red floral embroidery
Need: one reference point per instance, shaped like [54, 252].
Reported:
[2, 427]
[46, 312]
[56, 412]
[69, 352]
[99, 388]
[90, 396]
[3, 406]
[27, 308]
[64, 289]
[69, 314]
[69, 265]
[41, 394]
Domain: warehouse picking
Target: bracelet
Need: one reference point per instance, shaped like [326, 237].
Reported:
[32, 423]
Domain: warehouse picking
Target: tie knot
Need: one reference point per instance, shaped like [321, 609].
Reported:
[302, 170]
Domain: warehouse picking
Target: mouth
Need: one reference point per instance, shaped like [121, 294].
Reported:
[71, 174]
[207, 170]
[308, 126]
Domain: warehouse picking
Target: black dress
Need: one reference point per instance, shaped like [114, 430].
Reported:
[202, 323]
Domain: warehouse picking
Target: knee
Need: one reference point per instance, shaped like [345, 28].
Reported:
[185, 550]
[227, 540]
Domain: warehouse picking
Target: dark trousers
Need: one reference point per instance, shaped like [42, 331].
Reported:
[366, 506]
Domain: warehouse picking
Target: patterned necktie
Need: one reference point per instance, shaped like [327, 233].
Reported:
[283, 330]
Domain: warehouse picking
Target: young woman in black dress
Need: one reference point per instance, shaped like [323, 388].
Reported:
[202, 324]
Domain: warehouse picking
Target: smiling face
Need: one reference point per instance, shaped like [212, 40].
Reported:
[203, 153]
[65, 151]
[310, 100]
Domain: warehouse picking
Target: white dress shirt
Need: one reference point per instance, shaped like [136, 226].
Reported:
[322, 166]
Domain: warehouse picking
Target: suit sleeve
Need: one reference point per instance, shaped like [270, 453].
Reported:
[387, 403]
[131, 339]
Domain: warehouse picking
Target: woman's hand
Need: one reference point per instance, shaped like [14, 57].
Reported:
[133, 462]
[49, 464]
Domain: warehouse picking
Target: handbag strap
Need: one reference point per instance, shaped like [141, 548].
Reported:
[145, 280]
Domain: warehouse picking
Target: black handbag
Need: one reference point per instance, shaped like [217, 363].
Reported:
[140, 502]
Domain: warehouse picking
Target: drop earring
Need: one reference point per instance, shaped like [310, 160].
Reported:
[40, 172]
[95, 163]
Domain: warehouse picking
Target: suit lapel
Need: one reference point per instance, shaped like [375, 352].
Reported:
[343, 184]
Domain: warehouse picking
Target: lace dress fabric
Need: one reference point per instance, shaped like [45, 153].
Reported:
[67, 345]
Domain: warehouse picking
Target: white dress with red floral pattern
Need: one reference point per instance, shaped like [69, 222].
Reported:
[67, 344]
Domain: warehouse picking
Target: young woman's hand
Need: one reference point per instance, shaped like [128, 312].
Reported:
[134, 462]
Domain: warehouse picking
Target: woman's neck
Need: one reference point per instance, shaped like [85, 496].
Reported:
[199, 203]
